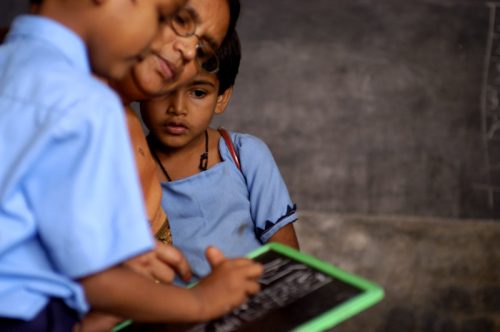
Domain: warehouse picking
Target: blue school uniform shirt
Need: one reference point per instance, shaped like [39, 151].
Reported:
[70, 201]
[236, 211]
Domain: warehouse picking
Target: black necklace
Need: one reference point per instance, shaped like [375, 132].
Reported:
[203, 157]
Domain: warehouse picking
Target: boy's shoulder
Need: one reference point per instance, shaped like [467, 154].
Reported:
[48, 67]
[63, 92]
[43, 76]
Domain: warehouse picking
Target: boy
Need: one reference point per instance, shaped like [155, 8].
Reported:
[70, 203]
[179, 45]
[209, 201]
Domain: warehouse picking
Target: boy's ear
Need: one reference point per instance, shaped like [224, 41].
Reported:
[223, 100]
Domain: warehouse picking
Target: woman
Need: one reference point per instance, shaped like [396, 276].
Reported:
[186, 46]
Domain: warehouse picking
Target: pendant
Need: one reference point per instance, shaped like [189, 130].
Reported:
[204, 161]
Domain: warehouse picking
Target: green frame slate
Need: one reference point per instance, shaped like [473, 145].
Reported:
[369, 292]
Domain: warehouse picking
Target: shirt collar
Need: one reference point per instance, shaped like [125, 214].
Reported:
[54, 33]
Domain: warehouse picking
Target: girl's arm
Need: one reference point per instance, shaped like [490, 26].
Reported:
[286, 235]
[271, 207]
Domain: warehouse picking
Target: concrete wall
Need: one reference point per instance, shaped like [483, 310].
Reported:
[10, 8]
[368, 106]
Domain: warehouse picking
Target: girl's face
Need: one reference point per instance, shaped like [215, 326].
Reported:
[179, 119]
[172, 60]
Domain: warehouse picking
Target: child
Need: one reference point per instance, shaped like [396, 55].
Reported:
[209, 201]
[176, 45]
[70, 202]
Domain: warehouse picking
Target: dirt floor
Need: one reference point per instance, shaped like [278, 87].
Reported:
[439, 275]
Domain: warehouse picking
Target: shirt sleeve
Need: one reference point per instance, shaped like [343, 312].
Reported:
[270, 203]
[85, 193]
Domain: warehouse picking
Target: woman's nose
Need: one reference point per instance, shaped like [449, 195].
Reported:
[187, 47]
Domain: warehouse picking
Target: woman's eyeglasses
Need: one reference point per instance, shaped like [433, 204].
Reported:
[184, 25]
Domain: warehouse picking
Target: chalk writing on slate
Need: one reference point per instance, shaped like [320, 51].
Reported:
[292, 293]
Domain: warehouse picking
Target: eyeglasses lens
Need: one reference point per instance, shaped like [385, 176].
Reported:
[207, 57]
[183, 23]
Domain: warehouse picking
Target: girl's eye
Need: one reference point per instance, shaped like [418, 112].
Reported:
[199, 93]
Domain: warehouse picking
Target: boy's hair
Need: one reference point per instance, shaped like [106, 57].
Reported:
[234, 12]
[229, 54]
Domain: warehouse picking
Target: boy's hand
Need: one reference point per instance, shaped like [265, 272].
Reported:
[97, 322]
[229, 284]
[161, 264]
[171, 260]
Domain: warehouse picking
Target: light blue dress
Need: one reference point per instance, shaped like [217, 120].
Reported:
[70, 200]
[236, 211]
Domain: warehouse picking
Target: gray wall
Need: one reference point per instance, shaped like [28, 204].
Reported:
[368, 106]
[10, 8]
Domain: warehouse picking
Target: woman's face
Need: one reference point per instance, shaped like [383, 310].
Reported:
[172, 60]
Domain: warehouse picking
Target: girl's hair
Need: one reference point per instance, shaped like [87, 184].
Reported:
[229, 54]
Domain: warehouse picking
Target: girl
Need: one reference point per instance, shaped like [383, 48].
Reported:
[208, 199]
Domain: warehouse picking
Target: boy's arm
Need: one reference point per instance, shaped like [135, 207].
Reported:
[160, 264]
[286, 235]
[123, 292]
